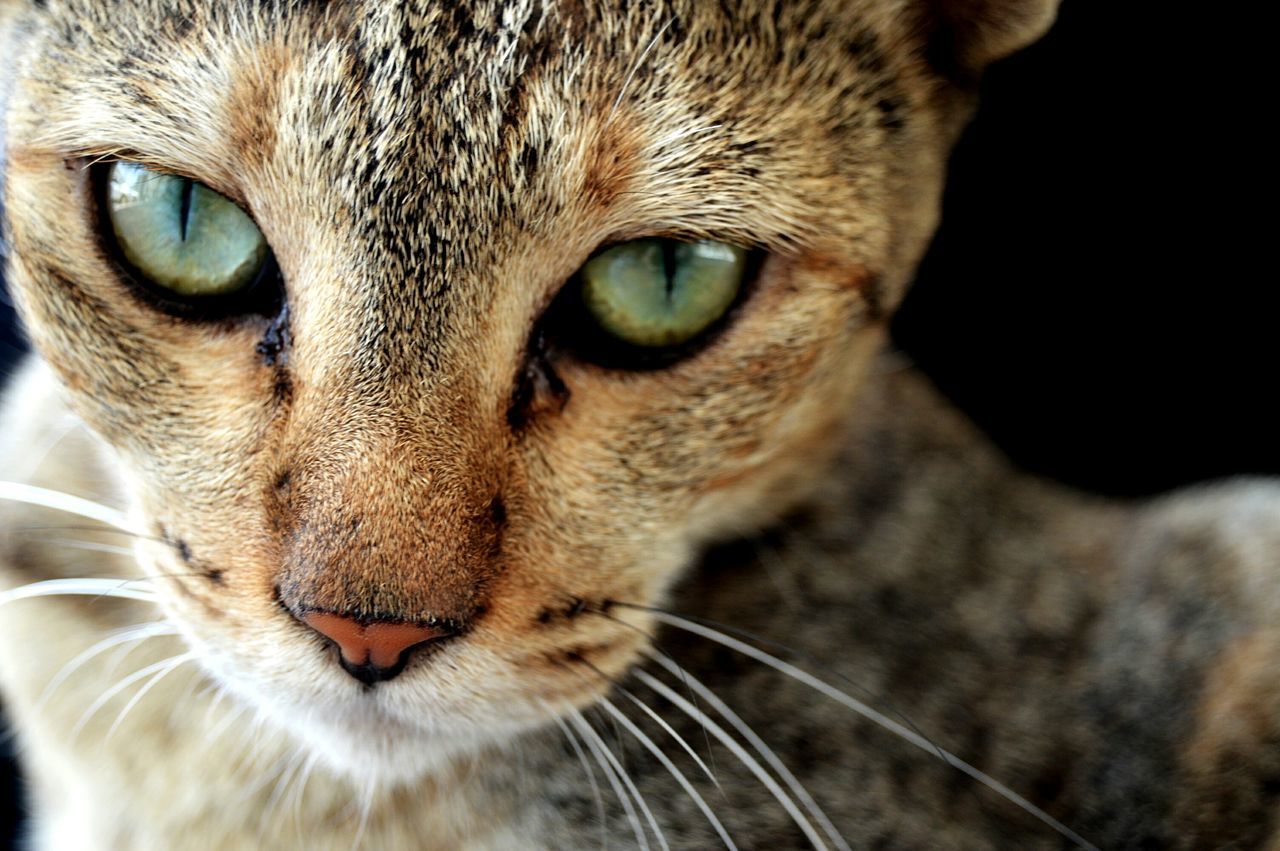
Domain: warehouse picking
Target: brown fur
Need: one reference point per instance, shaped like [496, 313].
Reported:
[401, 443]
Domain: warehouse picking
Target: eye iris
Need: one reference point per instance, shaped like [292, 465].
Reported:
[182, 235]
[659, 292]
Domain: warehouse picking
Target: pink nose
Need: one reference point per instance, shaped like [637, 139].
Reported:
[372, 650]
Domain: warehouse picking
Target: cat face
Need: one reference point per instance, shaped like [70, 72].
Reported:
[412, 430]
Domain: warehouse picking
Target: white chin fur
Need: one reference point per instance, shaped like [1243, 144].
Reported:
[398, 733]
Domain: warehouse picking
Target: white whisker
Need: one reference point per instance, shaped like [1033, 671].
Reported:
[59, 501]
[219, 694]
[125, 636]
[230, 718]
[84, 586]
[756, 742]
[291, 768]
[35, 460]
[300, 793]
[93, 546]
[661, 722]
[282, 782]
[249, 763]
[366, 810]
[125, 683]
[740, 752]
[612, 772]
[872, 715]
[674, 771]
[635, 790]
[591, 774]
[146, 687]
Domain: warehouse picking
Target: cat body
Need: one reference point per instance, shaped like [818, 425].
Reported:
[404, 440]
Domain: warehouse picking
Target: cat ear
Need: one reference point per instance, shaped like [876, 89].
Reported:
[968, 35]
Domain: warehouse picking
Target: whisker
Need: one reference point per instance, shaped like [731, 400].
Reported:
[366, 810]
[82, 586]
[146, 687]
[872, 715]
[165, 574]
[94, 546]
[249, 762]
[653, 646]
[32, 462]
[761, 747]
[612, 771]
[277, 792]
[740, 752]
[635, 790]
[300, 793]
[123, 684]
[127, 635]
[658, 719]
[101, 530]
[230, 718]
[796, 653]
[59, 501]
[591, 774]
[672, 769]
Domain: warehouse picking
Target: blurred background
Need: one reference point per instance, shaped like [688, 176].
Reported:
[1098, 297]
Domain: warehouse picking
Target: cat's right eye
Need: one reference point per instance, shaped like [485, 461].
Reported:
[180, 236]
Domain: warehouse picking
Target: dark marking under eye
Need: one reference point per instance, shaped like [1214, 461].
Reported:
[538, 386]
[274, 345]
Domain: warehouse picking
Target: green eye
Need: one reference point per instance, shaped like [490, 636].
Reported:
[181, 235]
[660, 292]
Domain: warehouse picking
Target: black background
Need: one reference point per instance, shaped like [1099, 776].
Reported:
[1099, 295]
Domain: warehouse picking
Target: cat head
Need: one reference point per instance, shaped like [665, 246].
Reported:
[433, 415]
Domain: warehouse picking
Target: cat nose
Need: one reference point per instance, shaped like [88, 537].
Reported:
[373, 651]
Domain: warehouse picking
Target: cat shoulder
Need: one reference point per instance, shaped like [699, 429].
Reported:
[1193, 631]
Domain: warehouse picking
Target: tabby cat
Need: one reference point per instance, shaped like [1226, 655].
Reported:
[466, 426]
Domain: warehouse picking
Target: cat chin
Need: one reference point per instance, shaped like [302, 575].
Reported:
[386, 753]
[374, 747]
[380, 737]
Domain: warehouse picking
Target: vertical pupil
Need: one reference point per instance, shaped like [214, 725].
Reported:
[669, 265]
[184, 214]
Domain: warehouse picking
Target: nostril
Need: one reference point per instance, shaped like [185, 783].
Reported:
[373, 651]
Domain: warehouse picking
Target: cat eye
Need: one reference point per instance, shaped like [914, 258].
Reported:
[658, 293]
[181, 237]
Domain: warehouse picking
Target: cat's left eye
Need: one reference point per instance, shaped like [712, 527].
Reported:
[647, 303]
[180, 236]
[661, 292]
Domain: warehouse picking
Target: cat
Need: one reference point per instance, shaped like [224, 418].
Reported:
[482, 437]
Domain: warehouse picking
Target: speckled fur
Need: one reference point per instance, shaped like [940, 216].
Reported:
[401, 443]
